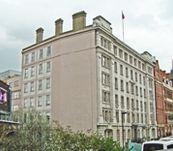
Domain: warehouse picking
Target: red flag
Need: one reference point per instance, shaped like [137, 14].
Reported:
[123, 17]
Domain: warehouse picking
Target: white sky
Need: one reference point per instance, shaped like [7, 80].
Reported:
[148, 24]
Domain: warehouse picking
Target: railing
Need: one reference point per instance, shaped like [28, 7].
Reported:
[6, 118]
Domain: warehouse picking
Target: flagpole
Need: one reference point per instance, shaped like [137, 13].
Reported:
[123, 28]
[123, 24]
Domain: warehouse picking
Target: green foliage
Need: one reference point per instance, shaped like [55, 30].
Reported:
[36, 134]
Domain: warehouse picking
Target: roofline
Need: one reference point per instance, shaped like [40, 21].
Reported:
[123, 44]
[62, 35]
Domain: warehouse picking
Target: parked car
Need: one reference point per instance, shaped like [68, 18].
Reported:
[166, 138]
[157, 145]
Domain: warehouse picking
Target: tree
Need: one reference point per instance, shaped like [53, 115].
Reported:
[36, 133]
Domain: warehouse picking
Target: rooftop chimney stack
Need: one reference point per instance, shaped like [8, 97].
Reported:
[79, 21]
[58, 27]
[39, 35]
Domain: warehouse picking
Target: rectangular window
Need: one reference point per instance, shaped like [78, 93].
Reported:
[47, 100]
[121, 69]
[26, 73]
[25, 87]
[105, 79]
[127, 72]
[139, 64]
[128, 120]
[115, 67]
[116, 101]
[131, 59]
[128, 103]
[116, 83]
[32, 86]
[122, 102]
[48, 51]
[143, 66]
[41, 54]
[105, 43]
[40, 69]
[40, 85]
[25, 104]
[121, 53]
[144, 80]
[140, 92]
[145, 106]
[26, 61]
[40, 101]
[107, 115]
[140, 79]
[137, 105]
[141, 106]
[48, 67]
[136, 90]
[132, 88]
[32, 102]
[115, 50]
[125, 56]
[150, 70]
[135, 62]
[106, 96]
[131, 74]
[145, 95]
[105, 61]
[127, 87]
[47, 83]
[132, 104]
[150, 83]
[122, 85]
[136, 76]
[150, 94]
[32, 71]
[117, 116]
[32, 56]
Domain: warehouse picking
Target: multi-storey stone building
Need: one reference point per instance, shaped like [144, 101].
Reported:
[87, 78]
[164, 102]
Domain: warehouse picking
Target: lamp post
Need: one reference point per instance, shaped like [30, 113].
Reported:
[122, 120]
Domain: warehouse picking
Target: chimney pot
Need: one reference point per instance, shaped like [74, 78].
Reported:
[58, 27]
[39, 35]
[79, 20]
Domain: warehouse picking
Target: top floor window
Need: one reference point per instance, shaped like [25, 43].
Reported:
[120, 53]
[131, 59]
[26, 59]
[105, 43]
[139, 64]
[115, 50]
[143, 66]
[135, 62]
[125, 56]
[150, 70]
[32, 56]
[48, 51]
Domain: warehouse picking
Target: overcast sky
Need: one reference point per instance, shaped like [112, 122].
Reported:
[148, 24]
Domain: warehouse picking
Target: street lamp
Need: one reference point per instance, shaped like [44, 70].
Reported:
[122, 120]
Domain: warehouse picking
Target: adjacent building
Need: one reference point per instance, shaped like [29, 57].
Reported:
[87, 78]
[164, 102]
[13, 79]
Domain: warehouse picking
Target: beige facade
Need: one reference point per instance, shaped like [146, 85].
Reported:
[87, 78]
